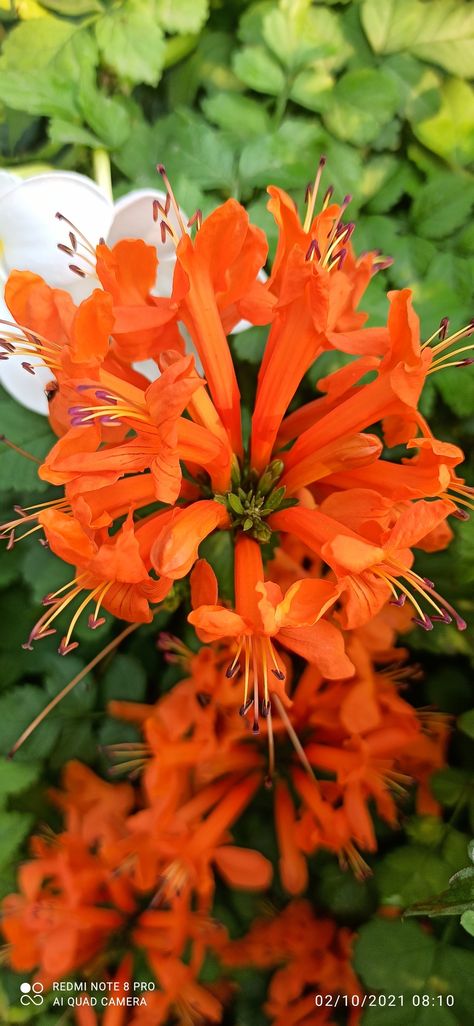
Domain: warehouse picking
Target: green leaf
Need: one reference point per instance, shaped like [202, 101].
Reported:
[450, 131]
[249, 345]
[240, 115]
[440, 32]
[182, 16]
[456, 899]
[41, 66]
[439, 208]
[131, 41]
[108, 116]
[410, 873]
[467, 921]
[466, 723]
[282, 157]
[258, 70]
[14, 827]
[219, 552]
[43, 571]
[64, 132]
[312, 88]
[16, 777]
[362, 102]
[385, 180]
[32, 433]
[73, 8]
[400, 958]
[297, 33]
[451, 785]
[125, 679]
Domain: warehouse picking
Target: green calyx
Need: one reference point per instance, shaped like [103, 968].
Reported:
[253, 498]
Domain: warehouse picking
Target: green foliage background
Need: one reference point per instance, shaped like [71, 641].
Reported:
[233, 95]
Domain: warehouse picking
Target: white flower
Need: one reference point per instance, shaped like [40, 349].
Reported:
[29, 237]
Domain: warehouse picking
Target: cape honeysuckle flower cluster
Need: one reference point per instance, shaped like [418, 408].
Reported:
[323, 523]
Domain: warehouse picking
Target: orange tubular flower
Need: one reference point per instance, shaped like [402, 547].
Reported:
[261, 615]
[368, 573]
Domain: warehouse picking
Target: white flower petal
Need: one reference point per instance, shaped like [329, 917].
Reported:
[30, 232]
[24, 387]
[133, 219]
[7, 182]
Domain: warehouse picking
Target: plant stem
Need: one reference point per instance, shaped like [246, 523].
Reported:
[102, 171]
[69, 687]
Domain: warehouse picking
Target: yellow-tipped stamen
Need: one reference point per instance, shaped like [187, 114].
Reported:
[100, 600]
[266, 696]
[401, 587]
[273, 657]
[69, 687]
[52, 595]
[255, 726]
[230, 672]
[60, 608]
[313, 195]
[459, 499]
[247, 672]
[84, 603]
[271, 746]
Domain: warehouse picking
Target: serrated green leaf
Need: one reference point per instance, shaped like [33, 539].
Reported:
[450, 131]
[440, 32]
[258, 70]
[362, 102]
[42, 63]
[297, 32]
[131, 41]
[240, 115]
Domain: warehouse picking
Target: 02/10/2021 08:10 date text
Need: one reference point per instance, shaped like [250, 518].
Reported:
[384, 1000]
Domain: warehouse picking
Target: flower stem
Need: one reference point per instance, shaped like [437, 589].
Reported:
[102, 172]
[69, 687]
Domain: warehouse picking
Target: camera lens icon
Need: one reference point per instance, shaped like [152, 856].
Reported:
[31, 994]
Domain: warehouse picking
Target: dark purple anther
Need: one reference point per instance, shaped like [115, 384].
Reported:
[278, 674]
[444, 617]
[313, 250]
[423, 622]
[443, 328]
[428, 583]
[400, 601]
[232, 670]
